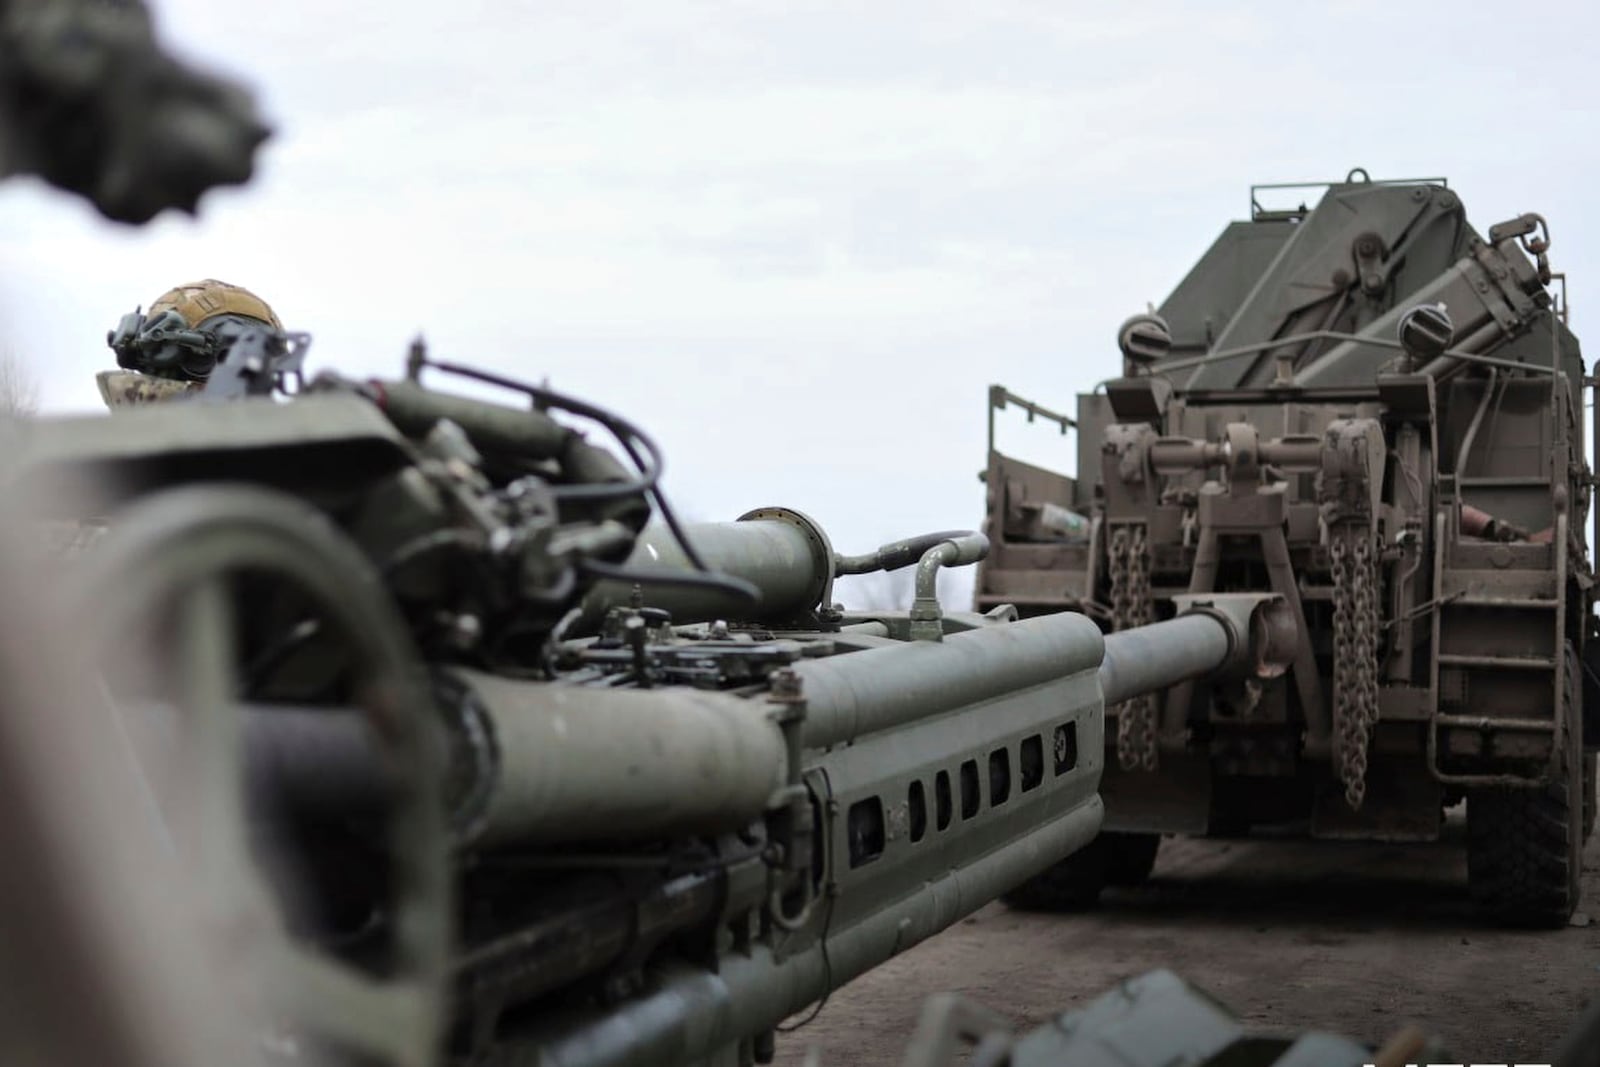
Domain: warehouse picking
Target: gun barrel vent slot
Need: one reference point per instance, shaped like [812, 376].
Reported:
[999, 777]
[1031, 762]
[917, 803]
[864, 826]
[1066, 747]
[970, 800]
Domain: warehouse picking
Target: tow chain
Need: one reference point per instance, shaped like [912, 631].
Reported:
[1129, 553]
[1355, 652]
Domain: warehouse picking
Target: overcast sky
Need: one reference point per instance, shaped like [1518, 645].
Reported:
[797, 241]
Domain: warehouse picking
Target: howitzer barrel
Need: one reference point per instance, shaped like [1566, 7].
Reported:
[538, 763]
[535, 763]
[851, 696]
[1250, 633]
[1150, 658]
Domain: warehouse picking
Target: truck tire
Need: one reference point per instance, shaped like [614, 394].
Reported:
[1522, 853]
[1524, 846]
[1130, 858]
[1073, 884]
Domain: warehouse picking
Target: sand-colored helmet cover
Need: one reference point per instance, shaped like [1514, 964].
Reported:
[199, 301]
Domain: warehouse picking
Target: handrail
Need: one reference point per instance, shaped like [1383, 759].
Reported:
[1336, 335]
[1261, 214]
[1000, 397]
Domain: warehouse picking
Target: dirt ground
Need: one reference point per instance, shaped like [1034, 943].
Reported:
[1293, 935]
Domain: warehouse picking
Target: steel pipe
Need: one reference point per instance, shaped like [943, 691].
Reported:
[927, 618]
[532, 763]
[781, 552]
[955, 551]
[895, 554]
[572, 763]
[416, 410]
[314, 759]
[296, 757]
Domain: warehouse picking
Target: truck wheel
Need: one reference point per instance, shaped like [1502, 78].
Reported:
[1524, 846]
[1130, 857]
[1522, 853]
[1074, 884]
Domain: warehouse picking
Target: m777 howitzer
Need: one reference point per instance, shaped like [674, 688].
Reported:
[1375, 412]
[438, 754]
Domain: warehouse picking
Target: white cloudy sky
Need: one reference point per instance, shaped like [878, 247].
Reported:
[798, 240]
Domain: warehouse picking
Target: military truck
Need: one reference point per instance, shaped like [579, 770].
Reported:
[1373, 410]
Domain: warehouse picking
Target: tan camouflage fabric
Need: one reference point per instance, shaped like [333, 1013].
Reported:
[126, 388]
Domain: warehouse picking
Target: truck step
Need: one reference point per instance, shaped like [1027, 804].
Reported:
[1545, 603]
[1489, 722]
[1502, 481]
[1514, 663]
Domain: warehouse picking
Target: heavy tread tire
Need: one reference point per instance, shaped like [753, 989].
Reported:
[1591, 764]
[1130, 857]
[1521, 863]
[1074, 884]
[1525, 846]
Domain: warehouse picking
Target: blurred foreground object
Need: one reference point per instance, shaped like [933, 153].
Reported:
[1155, 1020]
[1160, 1020]
[101, 959]
[1371, 410]
[91, 103]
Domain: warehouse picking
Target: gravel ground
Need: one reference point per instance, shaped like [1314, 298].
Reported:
[1293, 935]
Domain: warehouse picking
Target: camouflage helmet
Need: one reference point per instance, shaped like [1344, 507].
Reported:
[197, 302]
[172, 350]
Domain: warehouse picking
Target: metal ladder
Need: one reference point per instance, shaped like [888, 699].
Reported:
[1453, 652]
